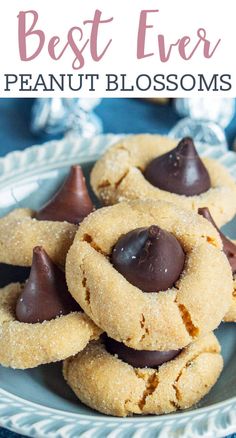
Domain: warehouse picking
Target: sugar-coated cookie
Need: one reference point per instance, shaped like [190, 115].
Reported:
[106, 383]
[20, 232]
[25, 345]
[193, 305]
[52, 227]
[142, 167]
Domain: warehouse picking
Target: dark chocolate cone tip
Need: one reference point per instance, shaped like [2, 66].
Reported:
[187, 148]
[205, 212]
[71, 202]
[38, 250]
[150, 258]
[76, 179]
[45, 295]
[154, 231]
[179, 171]
[40, 254]
[229, 247]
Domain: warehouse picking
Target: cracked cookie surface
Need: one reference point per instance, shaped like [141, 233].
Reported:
[118, 176]
[20, 233]
[113, 387]
[166, 320]
[29, 345]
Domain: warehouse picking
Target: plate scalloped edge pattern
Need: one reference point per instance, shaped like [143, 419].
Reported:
[38, 421]
[65, 151]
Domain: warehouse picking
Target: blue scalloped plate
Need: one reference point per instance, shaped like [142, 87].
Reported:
[37, 402]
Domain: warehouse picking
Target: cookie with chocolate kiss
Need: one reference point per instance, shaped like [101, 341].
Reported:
[104, 382]
[144, 280]
[138, 358]
[150, 258]
[71, 203]
[179, 171]
[228, 246]
[45, 295]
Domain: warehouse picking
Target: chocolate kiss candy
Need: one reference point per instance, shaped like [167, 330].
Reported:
[150, 258]
[139, 358]
[71, 203]
[179, 171]
[45, 295]
[228, 246]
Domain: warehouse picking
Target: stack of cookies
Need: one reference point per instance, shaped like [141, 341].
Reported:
[127, 295]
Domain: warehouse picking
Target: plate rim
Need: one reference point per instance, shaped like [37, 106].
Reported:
[222, 414]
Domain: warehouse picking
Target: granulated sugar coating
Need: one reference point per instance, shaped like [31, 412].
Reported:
[167, 320]
[20, 233]
[118, 175]
[106, 383]
[29, 345]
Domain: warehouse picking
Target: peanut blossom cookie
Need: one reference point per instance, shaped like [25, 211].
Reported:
[153, 167]
[40, 322]
[229, 248]
[53, 226]
[117, 380]
[150, 274]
